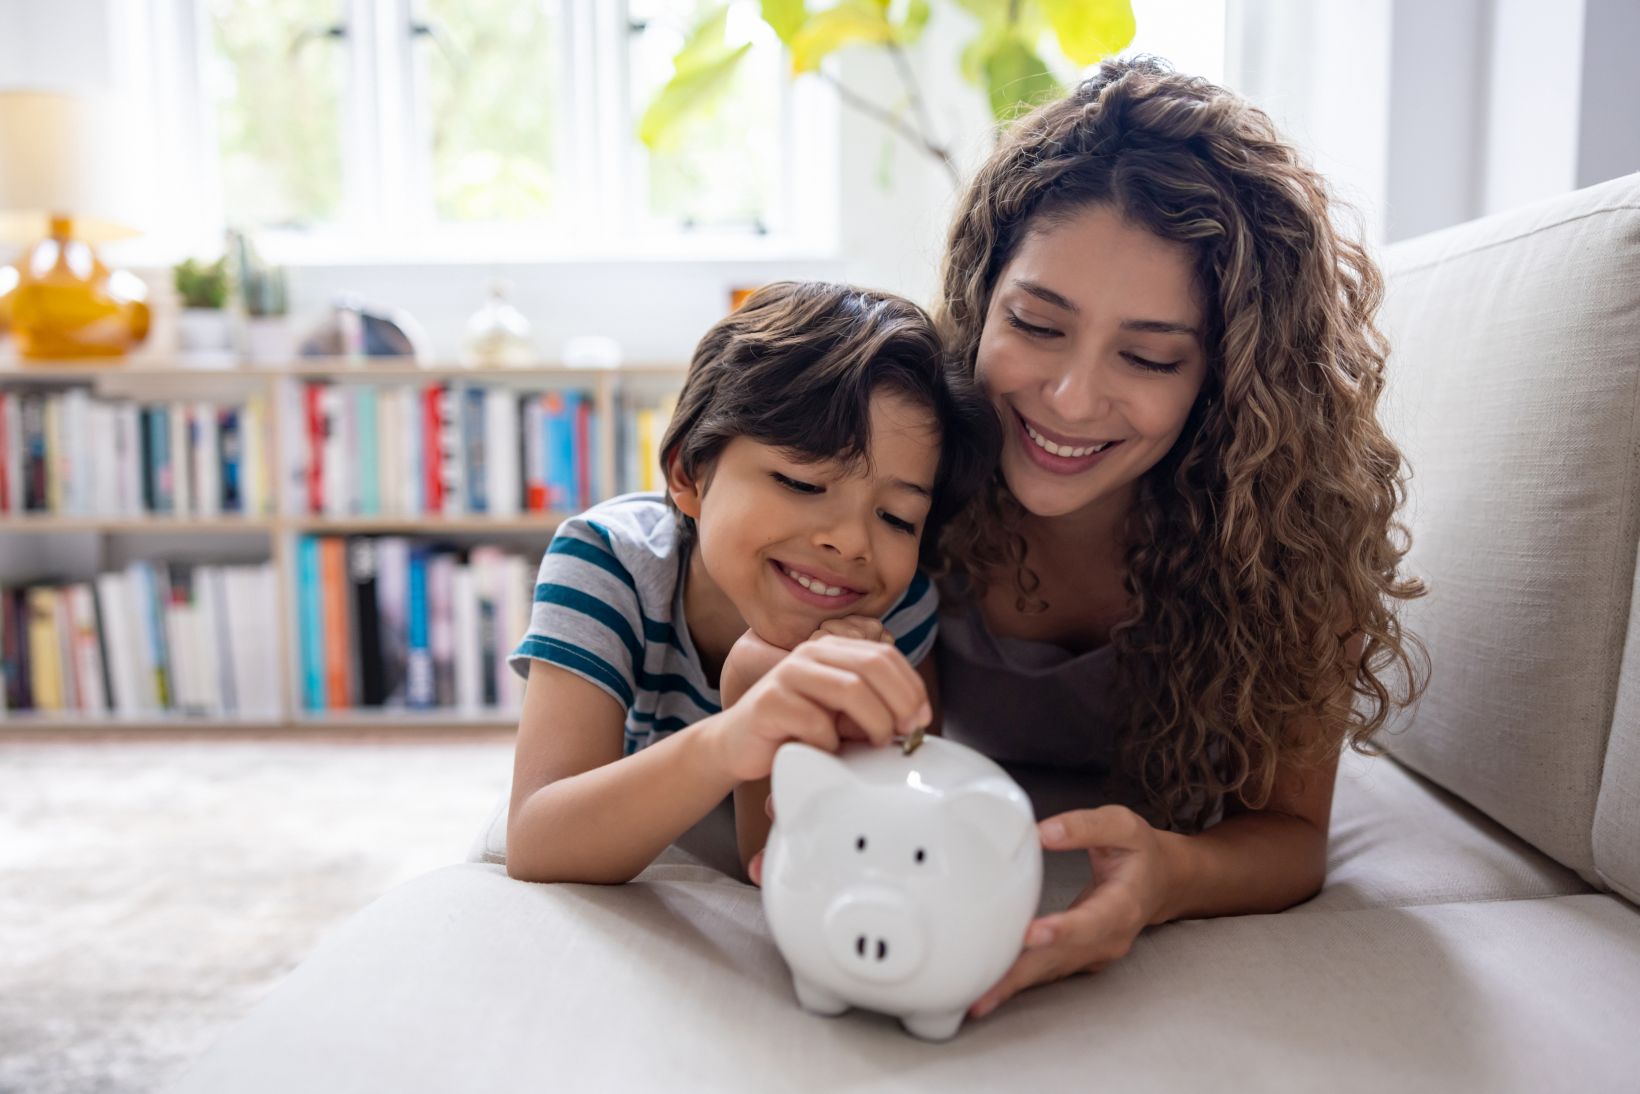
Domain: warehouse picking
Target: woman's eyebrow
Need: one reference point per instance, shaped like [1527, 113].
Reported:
[1047, 295]
[1147, 326]
[1160, 326]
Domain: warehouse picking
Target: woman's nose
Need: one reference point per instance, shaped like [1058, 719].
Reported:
[1079, 394]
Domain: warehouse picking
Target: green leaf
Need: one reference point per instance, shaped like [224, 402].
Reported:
[852, 22]
[1090, 30]
[1016, 77]
[915, 21]
[986, 11]
[786, 17]
[688, 92]
[705, 45]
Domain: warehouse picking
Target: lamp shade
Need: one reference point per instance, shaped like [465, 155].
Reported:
[60, 156]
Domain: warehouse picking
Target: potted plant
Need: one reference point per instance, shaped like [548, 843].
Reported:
[202, 327]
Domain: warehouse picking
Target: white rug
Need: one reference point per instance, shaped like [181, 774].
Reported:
[152, 891]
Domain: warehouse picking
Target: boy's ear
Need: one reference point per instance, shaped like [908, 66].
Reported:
[684, 490]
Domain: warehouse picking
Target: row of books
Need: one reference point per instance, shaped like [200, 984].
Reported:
[71, 453]
[439, 449]
[150, 639]
[349, 449]
[639, 429]
[389, 621]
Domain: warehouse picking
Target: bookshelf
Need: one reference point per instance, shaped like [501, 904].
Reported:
[281, 520]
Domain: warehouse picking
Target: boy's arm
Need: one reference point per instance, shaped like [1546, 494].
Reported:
[579, 815]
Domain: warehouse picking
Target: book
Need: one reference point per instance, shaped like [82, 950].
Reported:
[333, 598]
[419, 685]
[310, 626]
[361, 558]
[44, 650]
[367, 444]
[393, 606]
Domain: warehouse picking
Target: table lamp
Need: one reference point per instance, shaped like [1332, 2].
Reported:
[60, 179]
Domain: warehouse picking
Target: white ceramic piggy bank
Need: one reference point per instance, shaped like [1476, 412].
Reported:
[900, 883]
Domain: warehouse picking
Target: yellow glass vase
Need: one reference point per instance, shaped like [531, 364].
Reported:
[61, 303]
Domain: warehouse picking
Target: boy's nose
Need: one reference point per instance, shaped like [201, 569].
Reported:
[846, 538]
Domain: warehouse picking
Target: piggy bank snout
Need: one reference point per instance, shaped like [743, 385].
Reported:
[875, 935]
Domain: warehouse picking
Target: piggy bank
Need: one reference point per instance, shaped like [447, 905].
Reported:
[899, 883]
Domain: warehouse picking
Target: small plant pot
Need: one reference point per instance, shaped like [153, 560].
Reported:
[269, 340]
[204, 332]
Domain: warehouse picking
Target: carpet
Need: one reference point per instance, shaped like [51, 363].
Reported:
[151, 891]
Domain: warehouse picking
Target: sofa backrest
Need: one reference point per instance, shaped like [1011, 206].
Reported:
[1515, 394]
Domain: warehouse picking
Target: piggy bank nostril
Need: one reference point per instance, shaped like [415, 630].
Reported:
[860, 945]
[882, 950]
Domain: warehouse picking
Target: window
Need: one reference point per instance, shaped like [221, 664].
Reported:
[448, 128]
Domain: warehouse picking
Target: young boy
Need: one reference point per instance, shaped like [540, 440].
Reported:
[817, 444]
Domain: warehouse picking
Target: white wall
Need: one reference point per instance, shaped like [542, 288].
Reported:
[1428, 114]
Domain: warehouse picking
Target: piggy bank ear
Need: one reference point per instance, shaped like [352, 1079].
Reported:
[800, 772]
[998, 810]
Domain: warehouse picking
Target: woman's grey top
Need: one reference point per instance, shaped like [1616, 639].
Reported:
[1021, 701]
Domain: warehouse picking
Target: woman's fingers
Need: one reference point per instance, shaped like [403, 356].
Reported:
[1086, 829]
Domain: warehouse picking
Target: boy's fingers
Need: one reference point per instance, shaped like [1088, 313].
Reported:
[888, 673]
[839, 690]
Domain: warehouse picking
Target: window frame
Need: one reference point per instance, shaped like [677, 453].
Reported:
[387, 203]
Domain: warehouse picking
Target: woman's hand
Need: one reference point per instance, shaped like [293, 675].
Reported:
[1127, 893]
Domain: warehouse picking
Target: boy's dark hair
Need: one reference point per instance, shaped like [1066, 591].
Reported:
[796, 366]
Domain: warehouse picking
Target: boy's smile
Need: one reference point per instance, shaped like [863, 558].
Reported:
[784, 543]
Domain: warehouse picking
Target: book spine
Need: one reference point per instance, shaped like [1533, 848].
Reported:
[419, 683]
[231, 455]
[333, 578]
[474, 438]
[313, 398]
[432, 450]
[361, 557]
[310, 624]
[45, 649]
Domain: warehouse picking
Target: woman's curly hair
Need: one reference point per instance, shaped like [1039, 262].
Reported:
[1266, 540]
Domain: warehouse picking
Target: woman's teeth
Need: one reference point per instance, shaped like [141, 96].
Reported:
[1064, 449]
[812, 585]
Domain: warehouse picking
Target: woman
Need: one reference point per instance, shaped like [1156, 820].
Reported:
[1187, 563]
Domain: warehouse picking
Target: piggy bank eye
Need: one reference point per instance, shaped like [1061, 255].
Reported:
[921, 855]
[860, 844]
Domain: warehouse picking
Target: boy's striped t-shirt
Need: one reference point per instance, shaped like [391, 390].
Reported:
[609, 608]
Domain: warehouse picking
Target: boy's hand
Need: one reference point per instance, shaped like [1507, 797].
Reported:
[829, 688]
[856, 626]
[749, 660]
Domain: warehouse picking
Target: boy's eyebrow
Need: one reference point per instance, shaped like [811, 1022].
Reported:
[1148, 326]
[915, 488]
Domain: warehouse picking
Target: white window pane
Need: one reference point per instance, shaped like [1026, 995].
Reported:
[492, 103]
[724, 170]
[274, 74]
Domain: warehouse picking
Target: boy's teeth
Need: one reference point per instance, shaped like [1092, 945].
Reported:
[812, 585]
[1064, 449]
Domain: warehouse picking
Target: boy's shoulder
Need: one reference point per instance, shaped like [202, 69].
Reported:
[639, 530]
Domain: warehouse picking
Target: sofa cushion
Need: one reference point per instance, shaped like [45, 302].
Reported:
[1396, 841]
[1617, 816]
[467, 980]
[1515, 393]
[1399, 841]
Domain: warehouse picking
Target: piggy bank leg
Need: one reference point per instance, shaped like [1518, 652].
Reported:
[935, 1025]
[816, 999]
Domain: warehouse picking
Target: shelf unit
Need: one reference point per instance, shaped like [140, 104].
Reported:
[159, 379]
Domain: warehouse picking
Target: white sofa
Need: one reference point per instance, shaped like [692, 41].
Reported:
[1478, 929]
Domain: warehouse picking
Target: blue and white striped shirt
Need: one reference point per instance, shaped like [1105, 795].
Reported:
[609, 608]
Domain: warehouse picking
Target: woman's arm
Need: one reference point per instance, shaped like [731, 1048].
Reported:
[1255, 860]
[580, 812]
